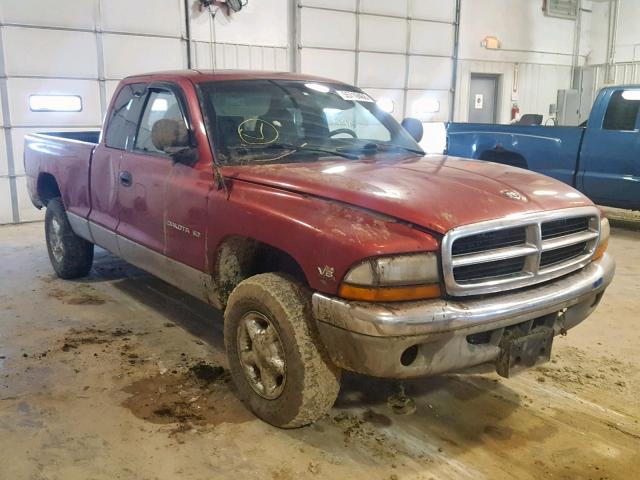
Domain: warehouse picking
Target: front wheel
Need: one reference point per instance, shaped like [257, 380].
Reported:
[277, 360]
[71, 256]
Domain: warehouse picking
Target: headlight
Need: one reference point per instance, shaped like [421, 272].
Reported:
[603, 242]
[393, 279]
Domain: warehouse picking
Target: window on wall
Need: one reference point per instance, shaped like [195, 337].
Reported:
[55, 103]
[622, 111]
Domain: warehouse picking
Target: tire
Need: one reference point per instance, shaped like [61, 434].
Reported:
[71, 256]
[298, 383]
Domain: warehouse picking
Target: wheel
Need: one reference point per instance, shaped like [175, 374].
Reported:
[277, 360]
[70, 255]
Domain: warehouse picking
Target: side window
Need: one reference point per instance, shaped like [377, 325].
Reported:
[621, 113]
[163, 125]
[122, 123]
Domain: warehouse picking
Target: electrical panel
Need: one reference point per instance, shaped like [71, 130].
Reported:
[568, 107]
[561, 8]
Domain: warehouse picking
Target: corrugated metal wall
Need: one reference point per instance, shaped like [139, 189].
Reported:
[84, 47]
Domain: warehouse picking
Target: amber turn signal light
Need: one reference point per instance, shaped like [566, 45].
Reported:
[601, 249]
[389, 294]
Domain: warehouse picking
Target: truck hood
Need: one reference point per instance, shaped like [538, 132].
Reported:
[436, 192]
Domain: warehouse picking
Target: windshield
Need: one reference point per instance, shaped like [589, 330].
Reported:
[278, 121]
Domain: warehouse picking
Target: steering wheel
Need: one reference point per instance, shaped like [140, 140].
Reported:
[348, 131]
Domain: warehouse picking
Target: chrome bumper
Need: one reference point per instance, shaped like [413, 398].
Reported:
[371, 338]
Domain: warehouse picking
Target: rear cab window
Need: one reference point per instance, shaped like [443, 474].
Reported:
[123, 121]
[622, 111]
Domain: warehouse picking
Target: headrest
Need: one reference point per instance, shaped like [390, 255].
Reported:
[167, 133]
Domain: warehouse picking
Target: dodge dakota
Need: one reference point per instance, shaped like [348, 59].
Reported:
[325, 233]
[599, 158]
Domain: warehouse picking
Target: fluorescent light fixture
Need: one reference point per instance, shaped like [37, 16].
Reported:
[386, 104]
[318, 87]
[631, 94]
[160, 105]
[425, 106]
[55, 103]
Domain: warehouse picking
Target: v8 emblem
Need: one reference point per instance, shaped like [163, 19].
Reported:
[326, 272]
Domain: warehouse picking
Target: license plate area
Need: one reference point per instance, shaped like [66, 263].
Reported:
[519, 352]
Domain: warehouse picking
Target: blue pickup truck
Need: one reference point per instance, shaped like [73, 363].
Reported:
[601, 158]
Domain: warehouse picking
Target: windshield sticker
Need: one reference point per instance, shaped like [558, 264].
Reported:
[262, 133]
[354, 96]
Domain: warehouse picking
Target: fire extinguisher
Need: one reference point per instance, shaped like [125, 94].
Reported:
[514, 111]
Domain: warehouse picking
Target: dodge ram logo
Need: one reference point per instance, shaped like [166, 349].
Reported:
[513, 195]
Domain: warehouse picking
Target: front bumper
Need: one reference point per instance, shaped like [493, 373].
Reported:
[445, 335]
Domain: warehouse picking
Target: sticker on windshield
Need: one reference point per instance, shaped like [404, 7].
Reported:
[354, 96]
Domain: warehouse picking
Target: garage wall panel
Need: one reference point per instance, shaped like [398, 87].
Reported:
[395, 95]
[4, 163]
[431, 38]
[6, 211]
[59, 13]
[437, 10]
[263, 22]
[19, 90]
[328, 29]
[385, 7]
[428, 105]
[126, 55]
[381, 70]
[382, 34]
[349, 5]
[433, 73]
[53, 53]
[160, 17]
[328, 63]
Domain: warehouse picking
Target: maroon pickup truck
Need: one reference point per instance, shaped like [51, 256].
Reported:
[322, 229]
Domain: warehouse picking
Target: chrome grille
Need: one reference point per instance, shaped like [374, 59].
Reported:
[510, 253]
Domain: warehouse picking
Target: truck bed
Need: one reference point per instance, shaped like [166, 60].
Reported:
[552, 151]
[66, 156]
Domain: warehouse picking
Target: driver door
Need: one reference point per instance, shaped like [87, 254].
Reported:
[145, 171]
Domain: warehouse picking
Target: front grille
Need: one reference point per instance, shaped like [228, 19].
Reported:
[559, 255]
[504, 254]
[565, 226]
[488, 269]
[490, 240]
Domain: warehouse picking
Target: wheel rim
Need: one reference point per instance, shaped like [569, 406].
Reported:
[261, 355]
[55, 239]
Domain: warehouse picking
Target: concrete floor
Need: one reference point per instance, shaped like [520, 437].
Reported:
[114, 376]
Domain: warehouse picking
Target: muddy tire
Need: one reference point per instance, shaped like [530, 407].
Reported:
[71, 256]
[277, 360]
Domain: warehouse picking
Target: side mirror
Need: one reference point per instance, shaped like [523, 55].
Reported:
[414, 127]
[186, 155]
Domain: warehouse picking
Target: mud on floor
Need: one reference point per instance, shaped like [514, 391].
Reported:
[80, 294]
[193, 397]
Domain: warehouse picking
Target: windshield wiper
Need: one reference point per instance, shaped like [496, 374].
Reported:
[297, 148]
[374, 147]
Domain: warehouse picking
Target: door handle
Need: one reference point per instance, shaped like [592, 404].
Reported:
[125, 178]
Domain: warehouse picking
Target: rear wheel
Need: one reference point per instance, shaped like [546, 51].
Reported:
[71, 256]
[277, 360]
